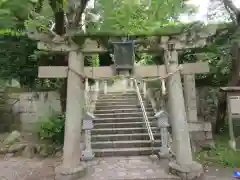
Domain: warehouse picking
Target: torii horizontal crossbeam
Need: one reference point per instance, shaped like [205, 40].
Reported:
[108, 72]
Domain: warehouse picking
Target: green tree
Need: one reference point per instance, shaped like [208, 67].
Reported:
[17, 60]
[133, 17]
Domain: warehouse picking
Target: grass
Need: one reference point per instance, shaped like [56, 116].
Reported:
[222, 155]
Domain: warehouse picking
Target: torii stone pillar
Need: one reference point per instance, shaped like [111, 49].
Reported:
[184, 165]
[190, 97]
[71, 165]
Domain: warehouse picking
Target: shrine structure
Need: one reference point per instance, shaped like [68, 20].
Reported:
[170, 43]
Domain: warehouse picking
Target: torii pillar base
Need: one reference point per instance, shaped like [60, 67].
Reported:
[192, 171]
[70, 174]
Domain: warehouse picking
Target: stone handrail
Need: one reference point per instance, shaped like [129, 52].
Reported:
[156, 99]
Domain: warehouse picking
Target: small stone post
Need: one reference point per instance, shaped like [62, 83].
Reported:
[97, 85]
[86, 85]
[163, 86]
[184, 166]
[124, 81]
[190, 97]
[131, 84]
[105, 87]
[144, 89]
[74, 116]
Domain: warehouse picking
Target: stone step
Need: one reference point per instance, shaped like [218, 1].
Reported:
[133, 130]
[128, 114]
[118, 96]
[124, 144]
[110, 103]
[119, 106]
[122, 120]
[124, 151]
[118, 93]
[128, 99]
[105, 111]
[122, 137]
[122, 125]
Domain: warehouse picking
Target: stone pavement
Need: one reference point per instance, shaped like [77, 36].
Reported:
[124, 168]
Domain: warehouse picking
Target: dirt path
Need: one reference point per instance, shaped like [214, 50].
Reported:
[27, 169]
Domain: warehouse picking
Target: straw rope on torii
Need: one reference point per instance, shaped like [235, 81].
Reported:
[161, 78]
[82, 75]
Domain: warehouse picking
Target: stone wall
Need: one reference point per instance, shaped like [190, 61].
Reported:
[207, 99]
[23, 110]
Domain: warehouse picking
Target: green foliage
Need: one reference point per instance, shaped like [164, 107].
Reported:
[132, 17]
[17, 60]
[38, 24]
[14, 12]
[52, 129]
[95, 61]
[222, 155]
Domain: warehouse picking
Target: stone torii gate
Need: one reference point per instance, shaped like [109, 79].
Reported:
[76, 72]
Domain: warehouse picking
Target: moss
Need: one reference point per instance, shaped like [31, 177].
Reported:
[165, 30]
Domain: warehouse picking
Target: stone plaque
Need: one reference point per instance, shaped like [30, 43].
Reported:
[235, 104]
[124, 55]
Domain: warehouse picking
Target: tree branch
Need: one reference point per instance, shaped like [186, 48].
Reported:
[80, 11]
[57, 7]
[231, 7]
[76, 10]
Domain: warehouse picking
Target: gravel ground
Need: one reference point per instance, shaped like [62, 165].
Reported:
[16, 168]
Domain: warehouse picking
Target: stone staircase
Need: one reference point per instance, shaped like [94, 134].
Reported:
[119, 128]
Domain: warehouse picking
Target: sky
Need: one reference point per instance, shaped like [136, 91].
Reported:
[202, 9]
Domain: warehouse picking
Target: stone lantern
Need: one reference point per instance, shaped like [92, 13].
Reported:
[162, 123]
[87, 153]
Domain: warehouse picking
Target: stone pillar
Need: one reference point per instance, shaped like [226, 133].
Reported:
[178, 112]
[184, 165]
[74, 116]
[190, 97]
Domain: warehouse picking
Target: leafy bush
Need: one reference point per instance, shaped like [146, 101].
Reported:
[52, 129]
